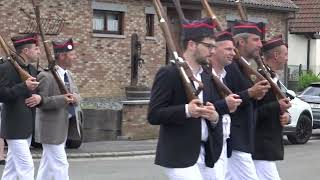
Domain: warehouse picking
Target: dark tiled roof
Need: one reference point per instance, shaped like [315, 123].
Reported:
[281, 5]
[272, 4]
[307, 19]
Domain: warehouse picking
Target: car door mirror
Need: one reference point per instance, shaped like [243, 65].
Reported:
[291, 94]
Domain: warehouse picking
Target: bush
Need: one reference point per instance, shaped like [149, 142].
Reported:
[306, 79]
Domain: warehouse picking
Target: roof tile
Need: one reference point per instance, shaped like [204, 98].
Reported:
[307, 18]
[270, 4]
[283, 5]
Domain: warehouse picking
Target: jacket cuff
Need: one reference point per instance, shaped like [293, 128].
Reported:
[244, 95]
[221, 107]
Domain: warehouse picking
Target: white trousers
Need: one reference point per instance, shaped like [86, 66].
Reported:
[266, 170]
[19, 163]
[241, 167]
[54, 164]
[221, 166]
[198, 171]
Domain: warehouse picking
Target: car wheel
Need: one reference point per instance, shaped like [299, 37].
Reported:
[303, 131]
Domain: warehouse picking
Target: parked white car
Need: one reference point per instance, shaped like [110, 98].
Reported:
[299, 130]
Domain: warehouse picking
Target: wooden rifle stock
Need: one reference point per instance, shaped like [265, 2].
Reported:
[261, 66]
[251, 73]
[184, 69]
[223, 90]
[51, 63]
[241, 10]
[246, 68]
[177, 4]
[24, 75]
[275, 88]
[211, 14]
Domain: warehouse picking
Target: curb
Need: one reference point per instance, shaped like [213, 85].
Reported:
[102, 154]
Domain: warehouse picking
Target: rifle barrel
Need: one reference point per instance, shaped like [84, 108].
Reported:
[62, 88]
[184, 69]
[24, 75]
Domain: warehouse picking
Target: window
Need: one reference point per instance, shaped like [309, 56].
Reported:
[230, 23]
[149, 24]
[107, 22]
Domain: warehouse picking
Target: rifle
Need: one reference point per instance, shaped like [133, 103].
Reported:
[241, 10]
[51, 62]
[261, 66]
[265, 73]
[210, 13]
[246, 68]
[184, 69]
[24, 75]
[248, 71]
[222, 89]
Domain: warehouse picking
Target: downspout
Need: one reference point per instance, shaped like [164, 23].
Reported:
[308, 54]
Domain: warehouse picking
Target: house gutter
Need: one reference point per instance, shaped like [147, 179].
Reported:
[308, 55]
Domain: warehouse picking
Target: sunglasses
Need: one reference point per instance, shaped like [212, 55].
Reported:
[208, 45]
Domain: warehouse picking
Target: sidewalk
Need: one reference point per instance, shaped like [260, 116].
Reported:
[108, 149]
[121, 148]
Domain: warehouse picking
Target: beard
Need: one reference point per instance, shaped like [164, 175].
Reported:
[280, 67]
[254, 54]
[202, 61]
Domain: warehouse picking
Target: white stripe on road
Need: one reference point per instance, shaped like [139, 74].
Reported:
[112, 158]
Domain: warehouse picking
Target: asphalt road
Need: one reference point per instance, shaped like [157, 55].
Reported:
[302, 162]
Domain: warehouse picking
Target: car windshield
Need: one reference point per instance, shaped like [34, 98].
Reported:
[311, 91]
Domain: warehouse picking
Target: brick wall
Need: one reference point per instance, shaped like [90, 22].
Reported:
[103, 65]
[134, 124]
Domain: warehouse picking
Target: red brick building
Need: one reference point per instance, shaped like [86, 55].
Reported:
[103, 29]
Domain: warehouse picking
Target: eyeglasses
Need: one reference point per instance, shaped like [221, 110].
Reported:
[208, 45]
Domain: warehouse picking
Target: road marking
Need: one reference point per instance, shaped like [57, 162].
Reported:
[112, 158]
